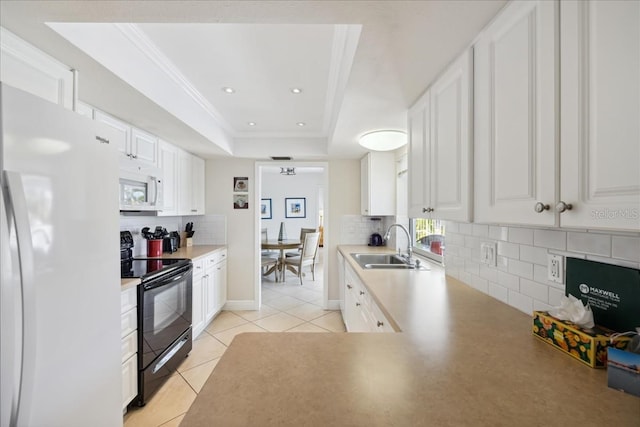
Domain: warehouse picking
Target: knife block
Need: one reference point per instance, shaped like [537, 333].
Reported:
[183, 239]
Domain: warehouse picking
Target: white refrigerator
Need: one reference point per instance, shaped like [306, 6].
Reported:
[60, 350]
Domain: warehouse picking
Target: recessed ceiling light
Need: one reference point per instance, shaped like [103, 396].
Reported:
[251, 123]
[383, 140]
[228, 90]
[301, 124]
[296, 90]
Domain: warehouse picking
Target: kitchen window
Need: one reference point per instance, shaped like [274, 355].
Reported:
[428, 238]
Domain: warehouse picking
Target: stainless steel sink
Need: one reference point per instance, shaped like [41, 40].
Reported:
[384, 261]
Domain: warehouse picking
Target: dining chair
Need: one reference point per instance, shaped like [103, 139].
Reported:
[307, 256]
[269, 265]
[303, 232]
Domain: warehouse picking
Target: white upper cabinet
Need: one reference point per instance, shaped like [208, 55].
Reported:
[123, 131]
[440, 146]
[377, 184]
[144, 147]
[515, 115]
[27, 68]
[169, 164]
[191, 177]
[600, 117]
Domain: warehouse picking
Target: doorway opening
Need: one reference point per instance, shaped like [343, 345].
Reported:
[293, 200]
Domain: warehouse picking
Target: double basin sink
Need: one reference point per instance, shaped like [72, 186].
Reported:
[386, 261]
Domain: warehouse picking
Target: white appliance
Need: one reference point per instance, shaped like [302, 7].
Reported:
[140, 188]
[60, 289]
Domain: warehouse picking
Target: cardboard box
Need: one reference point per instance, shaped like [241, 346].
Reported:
[624, 371]
[587, 345]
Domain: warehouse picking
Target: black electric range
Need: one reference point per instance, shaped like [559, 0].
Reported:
[145, 268]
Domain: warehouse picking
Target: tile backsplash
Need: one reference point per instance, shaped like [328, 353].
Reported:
[520, 276]
[356, 229]
[209, 229]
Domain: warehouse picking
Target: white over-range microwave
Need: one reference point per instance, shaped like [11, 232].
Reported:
[140, 189]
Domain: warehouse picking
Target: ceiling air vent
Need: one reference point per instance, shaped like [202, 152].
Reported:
[280, 158]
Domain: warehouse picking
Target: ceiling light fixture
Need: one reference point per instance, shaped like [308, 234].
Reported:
[296, 90]
[383, 140]
[228, 90]
[287, 171]
[301, 124]
[251, 123]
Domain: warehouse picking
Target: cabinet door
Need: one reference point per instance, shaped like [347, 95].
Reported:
[123, 131]
[184, 183]
[144, 147]
[515, 115]
[129, 380]
[210, 295]
[600, 96]
[450, 163]
[197, 185]
[378, 181]
[418, 157]
[198, 313]
[169, 165]
[220, 284]
[27, 68]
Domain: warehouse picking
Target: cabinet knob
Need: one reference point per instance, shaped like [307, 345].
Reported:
[133, 156]
[562, 206]
[540, 207]
[349, 286]
[194, 210]
[361, 292]
[380, 324]
[427, 210]
[357, 304]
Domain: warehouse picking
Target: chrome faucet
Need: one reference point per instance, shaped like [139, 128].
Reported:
[409, 245]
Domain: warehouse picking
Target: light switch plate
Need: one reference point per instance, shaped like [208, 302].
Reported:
[555, 268]
[488, 253]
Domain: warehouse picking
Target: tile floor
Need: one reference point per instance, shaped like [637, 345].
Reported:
[286, 307]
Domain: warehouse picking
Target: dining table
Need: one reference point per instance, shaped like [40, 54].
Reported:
[281, 245]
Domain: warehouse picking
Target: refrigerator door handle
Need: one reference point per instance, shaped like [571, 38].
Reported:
[17, 208]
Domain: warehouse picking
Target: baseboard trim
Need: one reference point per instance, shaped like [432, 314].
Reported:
[240, 305]
[333, 304]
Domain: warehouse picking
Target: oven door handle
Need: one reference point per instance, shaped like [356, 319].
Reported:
[157, 284]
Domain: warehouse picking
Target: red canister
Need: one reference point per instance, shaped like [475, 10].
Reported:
[154, 248]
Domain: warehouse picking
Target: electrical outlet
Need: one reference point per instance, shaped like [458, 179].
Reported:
[488, 253]
[555, 268]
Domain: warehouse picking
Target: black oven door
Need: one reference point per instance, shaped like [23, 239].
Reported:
[165, 312]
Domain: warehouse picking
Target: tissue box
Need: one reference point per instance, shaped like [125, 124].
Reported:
[623, 371]
[587, 345]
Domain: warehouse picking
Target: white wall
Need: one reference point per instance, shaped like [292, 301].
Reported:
[278, 187]
[520, 278]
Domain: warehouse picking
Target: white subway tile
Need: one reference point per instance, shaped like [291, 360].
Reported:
[451, 226]
[534, 290]
[521, 302]
[589, 243]
[521, 235]
[499, 292]
[465, 228]
[550, 239]
[480, 230]
[471, 242]
[510, 250]
[627, 248]
[489, 273]
[498, 233]
[521, 268]
[465, 278]
[509, 281]
[533, 254]
[472, 267]
[540, 306]
[555, 296]
[502, 263]
[480, 284]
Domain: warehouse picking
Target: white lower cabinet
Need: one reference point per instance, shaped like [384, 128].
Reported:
[361, 313]
[209, 289]
[129, 343]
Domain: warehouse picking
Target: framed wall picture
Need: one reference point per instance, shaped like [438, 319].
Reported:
[241, 184]
[240, 201]
[265, 209]
[295, 207]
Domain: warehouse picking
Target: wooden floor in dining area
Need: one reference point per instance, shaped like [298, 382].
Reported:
[287, 307]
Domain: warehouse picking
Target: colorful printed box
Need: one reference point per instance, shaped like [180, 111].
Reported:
[623, 371]
[587, 345]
